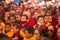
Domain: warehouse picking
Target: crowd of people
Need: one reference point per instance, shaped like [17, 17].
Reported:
[29, 22]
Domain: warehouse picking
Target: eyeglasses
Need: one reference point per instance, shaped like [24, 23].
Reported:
[50, 30]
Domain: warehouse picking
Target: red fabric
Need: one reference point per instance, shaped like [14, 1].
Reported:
[31, 22]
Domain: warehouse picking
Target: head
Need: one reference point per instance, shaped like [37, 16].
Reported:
[7, 27]
[12, 12]
[4, 37]
[48, 18]
[36, 14]
[29, 31]
[24, 19]
[18, 18]
[14, 6]
[7, 14]
[50, 31]
[1, 29]
[32, 10]
[40, 20]
[58, 33]
[1, 6]
[39, 33]
[15, 28]
[27, 13]
[12, 19]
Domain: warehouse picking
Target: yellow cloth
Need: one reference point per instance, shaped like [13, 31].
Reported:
[33, 38]
[9, 34]
[48, 23]
[22, 34]
[2, 24]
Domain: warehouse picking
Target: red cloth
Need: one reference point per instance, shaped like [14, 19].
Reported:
[31, 22]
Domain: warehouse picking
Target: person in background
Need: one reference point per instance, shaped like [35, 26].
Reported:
[6, 17]
[8, 30]
[16, 35]
[12, 12]
[18, 19]
[12, 20]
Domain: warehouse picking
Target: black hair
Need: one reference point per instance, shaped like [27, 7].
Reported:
[4, 37]
[30, 29]
[16, 25]
[25, 16]
[8, 24]
[40, 17]
[42, 32]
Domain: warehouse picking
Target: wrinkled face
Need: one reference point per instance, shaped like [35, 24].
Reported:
[40, 21]
[23, 19]
[50, 31]
[7, 28]
[58, 33]
[12, 19]
[18, 18]
[1, 29]
[37, 35]
[26, 34]
[59, 20]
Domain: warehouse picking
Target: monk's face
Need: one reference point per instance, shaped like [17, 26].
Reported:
[40, 21]
[18, 18]
[23, 19]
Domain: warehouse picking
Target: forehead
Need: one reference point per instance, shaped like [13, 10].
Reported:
[51, 27]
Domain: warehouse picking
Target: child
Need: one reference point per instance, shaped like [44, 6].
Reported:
[8, 30]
